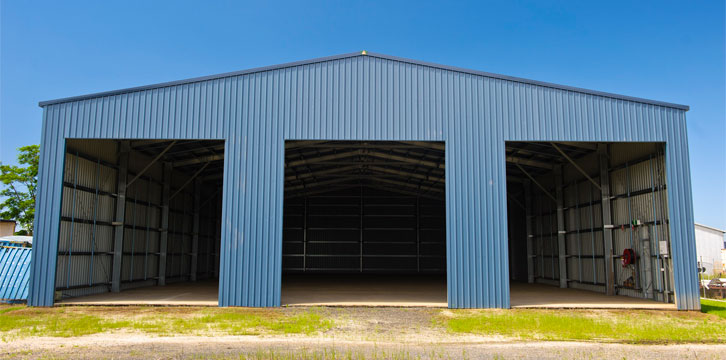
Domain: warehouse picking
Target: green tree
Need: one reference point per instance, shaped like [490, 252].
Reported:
[19, 184]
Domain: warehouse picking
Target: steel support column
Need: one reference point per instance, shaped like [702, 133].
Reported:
[118, 236]
[561, 243]
[418, 234]
[209, 239]
[164, 235]
[361, 229]
[218, 235]
[530, 236]
[195, 231]
[606, 219]
[305, 235]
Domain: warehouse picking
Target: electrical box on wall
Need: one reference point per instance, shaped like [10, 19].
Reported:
[663, 246]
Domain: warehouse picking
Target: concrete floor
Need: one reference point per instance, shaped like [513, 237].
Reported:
[546, 296]
[202, 293]
[412, 291]
[357, 290]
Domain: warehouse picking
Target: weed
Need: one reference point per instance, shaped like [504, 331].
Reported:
[622, 326]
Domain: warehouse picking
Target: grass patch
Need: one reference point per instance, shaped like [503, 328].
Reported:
[234, 322]
[584, 325]
[20, 321]
[714, 307]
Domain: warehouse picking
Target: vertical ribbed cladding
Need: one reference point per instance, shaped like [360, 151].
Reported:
[46, 223]
[14, 273]
[680, 209]
[363, 98]
[138, 115]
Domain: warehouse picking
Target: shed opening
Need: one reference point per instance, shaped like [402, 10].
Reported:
[588, 218]
[140, 222]
[364, 223]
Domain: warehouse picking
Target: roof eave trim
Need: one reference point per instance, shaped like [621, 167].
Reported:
[710, 228]
[354, 54]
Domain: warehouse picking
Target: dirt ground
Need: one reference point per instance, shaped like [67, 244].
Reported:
[371, 333]
[130, 346]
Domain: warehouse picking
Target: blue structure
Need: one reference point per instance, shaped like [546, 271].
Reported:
[14, 273]
[363, 96]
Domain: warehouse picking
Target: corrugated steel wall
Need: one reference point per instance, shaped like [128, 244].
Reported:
[364, 230]
[14, 273]
[637, 187]
[359, 97]
[86, 237]
[641, 184]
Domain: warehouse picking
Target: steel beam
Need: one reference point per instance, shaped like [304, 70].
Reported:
[302, 144]
[431, 145]
[410, 185]
[528, 162]
[195, 230]
[164, 226]
[152, 162]
[366, 160]
[363, 175]
[406, 192]
[418, 234]
[189, 181]
[218, 237]
[606, 219]
[198, 160]
[118, 238]
[305, 234]
[581, 145]
[210, 236]
[317, 184]
[561, 241]
[318, 159]
[546, 192]
[530, 235]
[211, 197]
[321, 191]
[351, 186]
[360, 228]
[212, 177]
[421, 162]
[141, 143]
[196, 150]
[576, 166]
[512, 197]
[322, 172]
[365, 145]
[516, 179]
[407, 174]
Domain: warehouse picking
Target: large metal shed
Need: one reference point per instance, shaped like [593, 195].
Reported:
[221, 176]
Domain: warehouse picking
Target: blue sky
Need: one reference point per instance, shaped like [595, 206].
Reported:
[669, 51]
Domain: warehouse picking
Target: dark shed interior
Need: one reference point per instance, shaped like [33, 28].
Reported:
[365, 217]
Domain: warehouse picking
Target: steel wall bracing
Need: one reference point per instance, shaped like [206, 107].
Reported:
[364, 97]
[86, 237]
[366, 230]
[637, 194]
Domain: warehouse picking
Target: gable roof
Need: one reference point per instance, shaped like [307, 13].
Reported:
[365, 53]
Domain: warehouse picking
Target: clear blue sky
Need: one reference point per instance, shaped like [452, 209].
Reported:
[669, 51]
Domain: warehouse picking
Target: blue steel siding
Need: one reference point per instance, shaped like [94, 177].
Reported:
[14, 273]
[364, 98]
